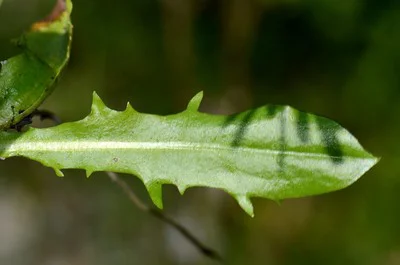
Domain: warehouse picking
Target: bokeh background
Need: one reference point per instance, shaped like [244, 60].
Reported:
[339, 59]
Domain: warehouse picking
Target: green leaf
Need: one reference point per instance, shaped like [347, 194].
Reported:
[273, 152]
[28, 78]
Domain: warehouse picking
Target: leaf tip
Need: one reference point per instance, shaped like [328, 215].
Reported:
[195, 102]
[58, 172]
[97, 104]
[60, 9]
[374, 161]
[88, 173]
[155, 192]
[245, 204]
[181, 189]
[368, 165]
[129, 108]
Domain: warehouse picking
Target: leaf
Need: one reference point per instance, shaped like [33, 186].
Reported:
[273, 152]
[28, 78]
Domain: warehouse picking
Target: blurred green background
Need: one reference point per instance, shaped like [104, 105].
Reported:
[339, 59]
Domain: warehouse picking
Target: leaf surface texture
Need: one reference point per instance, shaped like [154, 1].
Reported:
[272, 151]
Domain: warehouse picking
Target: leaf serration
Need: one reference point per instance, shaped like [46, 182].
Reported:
[186, 149]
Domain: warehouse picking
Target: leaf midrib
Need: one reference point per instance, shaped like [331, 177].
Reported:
[64, 146]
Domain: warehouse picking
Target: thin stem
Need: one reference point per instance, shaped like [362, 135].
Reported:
[206, 251]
